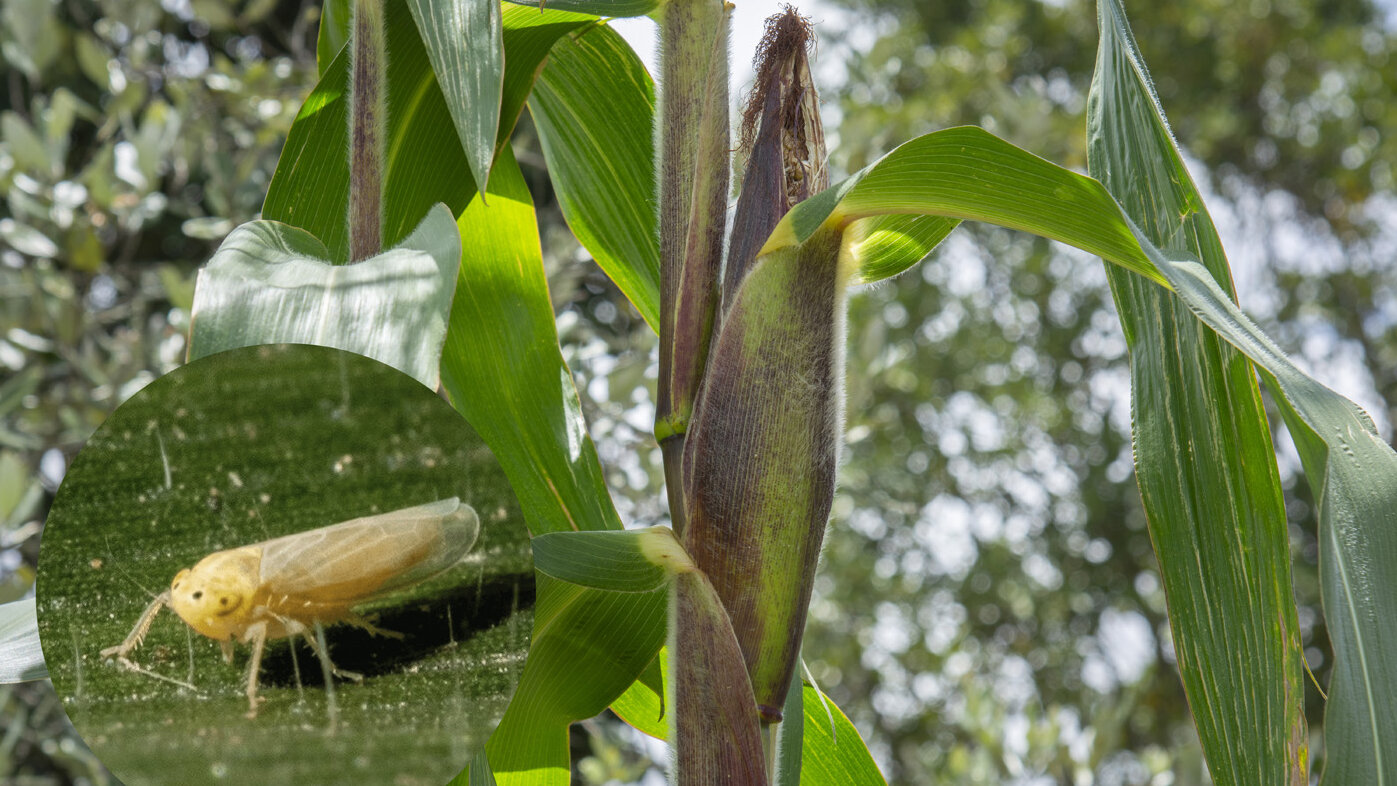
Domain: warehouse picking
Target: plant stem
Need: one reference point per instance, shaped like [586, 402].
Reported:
[693, 142]
[368, 120]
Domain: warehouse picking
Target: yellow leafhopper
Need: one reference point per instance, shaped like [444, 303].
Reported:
[288, 586]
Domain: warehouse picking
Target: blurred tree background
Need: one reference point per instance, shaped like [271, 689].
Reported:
[988, 609]
[134, 134]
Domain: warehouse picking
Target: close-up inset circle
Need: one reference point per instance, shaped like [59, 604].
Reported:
[285, 564]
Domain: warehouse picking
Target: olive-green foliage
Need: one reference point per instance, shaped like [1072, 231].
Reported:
[132, 137]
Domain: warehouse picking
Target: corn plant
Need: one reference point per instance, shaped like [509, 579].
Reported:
[420, 247]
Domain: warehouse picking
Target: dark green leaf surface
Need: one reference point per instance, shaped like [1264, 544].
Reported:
[1203, 453]
[271, 283]
[502, 368]
[607, 560]
[21, 658]
[594, 106]
[333, 34]
[597, 7]
[465, 46]
[1352, 471]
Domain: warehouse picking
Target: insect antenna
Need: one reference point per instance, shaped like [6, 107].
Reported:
[189, 647]
[122, 570]
[164, 459]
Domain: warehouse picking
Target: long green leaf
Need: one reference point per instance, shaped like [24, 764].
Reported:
[1352, 470]
[333, 33]
[594, 106]
[21, 657]
[1203, 453]
[968, 173]
[465, 45]
[271, 283]
[503, 370]
[425, 163]
[1353, 473]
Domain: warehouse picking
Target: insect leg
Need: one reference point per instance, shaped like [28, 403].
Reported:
[324, 656]
[257, 635]
[360, 622]
[133, 640]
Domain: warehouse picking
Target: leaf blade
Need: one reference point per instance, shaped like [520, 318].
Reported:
[1204, 459]
[594, 106]
[271, 283]
[502, 332]
[465, 45]
[21, 657]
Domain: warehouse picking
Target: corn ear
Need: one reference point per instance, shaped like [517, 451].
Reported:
[783, 140]
[761, 455]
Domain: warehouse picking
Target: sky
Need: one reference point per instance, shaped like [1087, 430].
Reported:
[747, 19]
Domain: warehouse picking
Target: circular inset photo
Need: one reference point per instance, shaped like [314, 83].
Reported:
[285, 564]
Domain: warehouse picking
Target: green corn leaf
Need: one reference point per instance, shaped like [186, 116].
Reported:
[588, 647]
[424, 165]
[642, 705]
[593, 106]
[503, 370]
[1352, 471]
[968, 173]
[21, 658]
[619, 8]
[619, 561]
[333, 34]
[833, 752]
[1203, 453]
[271, 283]
[888, 245]
[465, 45]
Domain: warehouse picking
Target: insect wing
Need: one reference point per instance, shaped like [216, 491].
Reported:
[362, 558]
